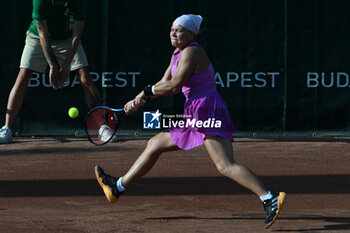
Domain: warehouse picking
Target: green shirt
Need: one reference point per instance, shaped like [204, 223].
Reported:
[59, 19]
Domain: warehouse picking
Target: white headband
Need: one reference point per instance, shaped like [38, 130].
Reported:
[190, 22]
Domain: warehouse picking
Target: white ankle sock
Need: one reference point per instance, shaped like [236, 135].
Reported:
[266, 197]
[119, 184]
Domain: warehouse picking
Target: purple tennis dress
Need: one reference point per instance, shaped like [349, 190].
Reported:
[205, 112]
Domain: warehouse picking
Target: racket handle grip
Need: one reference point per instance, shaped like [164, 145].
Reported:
[143, 100]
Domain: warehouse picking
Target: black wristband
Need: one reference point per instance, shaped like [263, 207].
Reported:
[148, 90]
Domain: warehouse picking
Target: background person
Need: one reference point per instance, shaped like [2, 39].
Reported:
[53, 40]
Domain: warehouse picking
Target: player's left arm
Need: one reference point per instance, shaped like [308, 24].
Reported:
[78, 28]
[130, 106]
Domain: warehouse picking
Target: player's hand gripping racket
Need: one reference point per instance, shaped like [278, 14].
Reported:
[101, 124]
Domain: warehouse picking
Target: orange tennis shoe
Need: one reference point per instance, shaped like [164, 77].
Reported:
[108, 184]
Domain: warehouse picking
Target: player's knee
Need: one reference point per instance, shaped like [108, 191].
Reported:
[157, 144]
[222, 168]
[153, 144]
[225, 169]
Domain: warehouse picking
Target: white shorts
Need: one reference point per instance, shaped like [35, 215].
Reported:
[33, 57]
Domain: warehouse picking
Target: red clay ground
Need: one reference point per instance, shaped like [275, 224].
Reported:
[48, 185]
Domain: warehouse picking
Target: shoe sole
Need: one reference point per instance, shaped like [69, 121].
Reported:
[280, 202]
[108, 193]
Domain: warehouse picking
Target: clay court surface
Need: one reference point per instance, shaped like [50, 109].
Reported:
[48, 185]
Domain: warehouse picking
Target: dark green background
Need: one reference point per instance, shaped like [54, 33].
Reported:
[289, 37]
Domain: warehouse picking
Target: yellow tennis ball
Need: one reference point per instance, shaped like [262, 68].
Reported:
[73, 112]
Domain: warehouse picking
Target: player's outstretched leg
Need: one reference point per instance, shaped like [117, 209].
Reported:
[272, 207]
[221, 152]
[108, 184]
[114, 187]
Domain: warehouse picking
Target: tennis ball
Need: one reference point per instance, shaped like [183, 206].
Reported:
[73, 112]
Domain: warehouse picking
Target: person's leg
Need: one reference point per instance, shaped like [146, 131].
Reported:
[92, 96]
[158, 144]
[32, 59]
[114, 187]
[221, 152]
[16, 96]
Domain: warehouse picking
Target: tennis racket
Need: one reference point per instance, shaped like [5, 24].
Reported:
[101, 124]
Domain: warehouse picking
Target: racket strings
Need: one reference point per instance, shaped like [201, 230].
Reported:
[101, 125]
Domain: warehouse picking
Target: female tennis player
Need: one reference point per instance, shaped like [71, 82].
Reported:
[191, 71]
